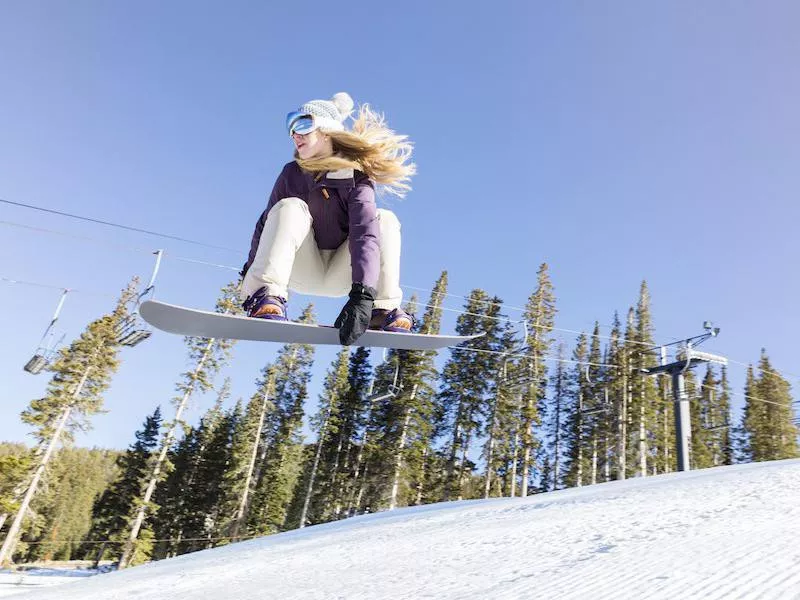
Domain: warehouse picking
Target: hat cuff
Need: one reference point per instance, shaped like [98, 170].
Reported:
[328, 123]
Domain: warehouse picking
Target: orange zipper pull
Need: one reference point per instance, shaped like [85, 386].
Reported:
[325, 193]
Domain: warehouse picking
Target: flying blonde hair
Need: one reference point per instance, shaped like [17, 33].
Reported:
[371, 147]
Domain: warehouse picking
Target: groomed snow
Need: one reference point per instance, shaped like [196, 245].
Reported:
[730, 532]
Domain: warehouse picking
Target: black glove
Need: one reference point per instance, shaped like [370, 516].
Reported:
[356, 314]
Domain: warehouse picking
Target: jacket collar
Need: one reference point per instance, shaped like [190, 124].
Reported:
[342, 178]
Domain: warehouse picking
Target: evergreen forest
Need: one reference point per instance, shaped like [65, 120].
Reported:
[524, 409]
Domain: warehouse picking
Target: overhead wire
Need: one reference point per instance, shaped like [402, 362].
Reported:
[118, 225]
[53, 287]
[749, 397]
[129, 248]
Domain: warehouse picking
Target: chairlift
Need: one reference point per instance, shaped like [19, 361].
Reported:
[391, 391]
[605, 407]
[718, 427]
[132, 330]
[129, 333]
[46, 349]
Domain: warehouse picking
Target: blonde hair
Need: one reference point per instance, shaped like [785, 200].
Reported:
[371, 147]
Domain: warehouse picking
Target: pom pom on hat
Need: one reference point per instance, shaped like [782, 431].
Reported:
[344, 103]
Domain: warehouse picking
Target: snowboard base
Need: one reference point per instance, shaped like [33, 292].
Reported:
[201, 323]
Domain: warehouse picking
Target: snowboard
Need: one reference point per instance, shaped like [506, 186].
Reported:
[201, 323]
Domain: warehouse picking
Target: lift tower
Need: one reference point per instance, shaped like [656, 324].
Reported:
[686, 357]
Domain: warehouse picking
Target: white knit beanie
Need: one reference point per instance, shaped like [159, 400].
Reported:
[330, 114]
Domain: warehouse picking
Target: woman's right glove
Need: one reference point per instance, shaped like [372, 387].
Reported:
[354, 319]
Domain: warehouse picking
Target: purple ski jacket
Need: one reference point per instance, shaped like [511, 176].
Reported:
[342, 206]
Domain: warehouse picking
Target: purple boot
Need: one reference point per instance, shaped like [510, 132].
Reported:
[262, 306]
[396, 320]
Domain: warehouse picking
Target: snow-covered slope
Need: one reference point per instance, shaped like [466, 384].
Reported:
[731, 532]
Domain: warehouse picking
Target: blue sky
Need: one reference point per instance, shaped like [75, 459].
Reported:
[615, 141]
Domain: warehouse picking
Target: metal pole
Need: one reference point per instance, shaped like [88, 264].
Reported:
[159, 254]
[683, 424]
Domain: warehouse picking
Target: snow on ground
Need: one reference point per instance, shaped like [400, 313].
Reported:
[730, 532]
[11, 582]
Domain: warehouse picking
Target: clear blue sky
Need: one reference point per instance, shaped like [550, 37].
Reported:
[616, 141]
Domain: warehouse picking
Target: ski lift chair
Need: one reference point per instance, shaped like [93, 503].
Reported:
[392, 390]
[44, 353]
[132, 330]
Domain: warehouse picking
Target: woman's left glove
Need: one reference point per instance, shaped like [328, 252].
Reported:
[354, 319]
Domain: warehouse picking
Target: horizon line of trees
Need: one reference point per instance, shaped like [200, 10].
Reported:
[502, 417]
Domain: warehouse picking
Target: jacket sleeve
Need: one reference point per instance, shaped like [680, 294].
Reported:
[279, 191]
[364, 234]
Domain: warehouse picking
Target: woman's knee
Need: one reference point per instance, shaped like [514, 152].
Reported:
[292, 205]
[388, 220]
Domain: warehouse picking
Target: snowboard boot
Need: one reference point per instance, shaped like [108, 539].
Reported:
[392, 320]
[262, 306]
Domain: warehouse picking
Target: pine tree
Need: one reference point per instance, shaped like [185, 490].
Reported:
[617, 384]
[329, 446]
[14, 466]
[396, 467]
[644, 394]
[595, 407]
[418, 411]
[353, 417]
[208, 356]
[357, 412]
[630, 351]
[700, 401]
[246, 444]
[704, 419]
[575, 428]
[725, 438]
[81, 374]
[554, 434]
[63, 508]
[466, 387]
[770, 420]
[501, 420]
[749, 433]
[168, 503]
[283, 448]
[115, 507]
[539, 315]
[203, 487]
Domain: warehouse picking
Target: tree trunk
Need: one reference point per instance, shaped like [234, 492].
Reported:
[579, 441]
[312, 476]
[332, 498]
[490, 449]
[528, 438]
[464, 450]
[399, 461]
[451, 462]
[622, 426]
[243, 504]
[421, 481]
[514, 457]
[642, 441]
[356, 502]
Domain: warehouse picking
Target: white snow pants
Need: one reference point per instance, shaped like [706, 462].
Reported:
[288, 258]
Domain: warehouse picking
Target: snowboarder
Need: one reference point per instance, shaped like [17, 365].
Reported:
[321, 232]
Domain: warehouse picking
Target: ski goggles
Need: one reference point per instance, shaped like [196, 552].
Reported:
[302, 123]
